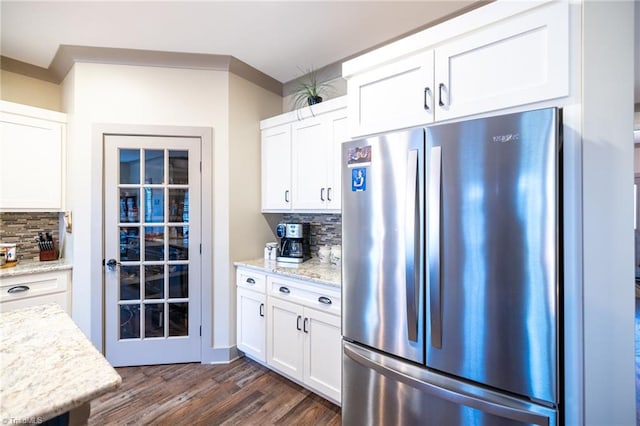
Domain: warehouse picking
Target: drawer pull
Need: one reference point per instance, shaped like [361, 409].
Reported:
[325, 300]
[251, 281]
[284, 290]
[18, 289]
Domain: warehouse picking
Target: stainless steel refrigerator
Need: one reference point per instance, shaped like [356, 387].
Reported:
[452, 274]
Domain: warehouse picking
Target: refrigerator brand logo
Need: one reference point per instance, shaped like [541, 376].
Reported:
[511, 137]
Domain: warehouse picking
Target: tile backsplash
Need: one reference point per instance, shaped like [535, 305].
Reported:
[325, 228]
[22, 228]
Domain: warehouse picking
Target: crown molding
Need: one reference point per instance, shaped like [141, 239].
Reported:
[29, 70]
[68, 55]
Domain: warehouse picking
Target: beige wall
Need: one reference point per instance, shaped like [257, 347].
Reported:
[99, 94]
[249, 229]
[30, 91]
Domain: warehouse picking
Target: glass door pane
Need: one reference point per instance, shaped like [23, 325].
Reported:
[158, 210]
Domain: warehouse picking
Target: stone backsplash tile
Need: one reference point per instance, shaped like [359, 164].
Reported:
[325, 228]
[23, 228]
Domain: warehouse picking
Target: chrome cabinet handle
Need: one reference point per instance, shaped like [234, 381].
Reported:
[427, 93]
[298, 323]
[321, 194]
[261, 311]
[328, 194]
[18, 289]
[251, 281]
[286, 196]
[304, 325]
[324, 299]
[435, 209]
[284, 290]
[440, 87]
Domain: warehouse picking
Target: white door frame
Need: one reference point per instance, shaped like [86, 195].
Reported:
[97, 286]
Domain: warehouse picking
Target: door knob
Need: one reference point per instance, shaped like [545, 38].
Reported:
[111, 264]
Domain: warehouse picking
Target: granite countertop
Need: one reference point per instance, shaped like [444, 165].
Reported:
[312, 270]
[47, 365]
[24, 267]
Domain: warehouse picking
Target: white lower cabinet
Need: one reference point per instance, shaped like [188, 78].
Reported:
[251, 308]
[32, 289]
[251, 323]
[292, 326]
[286, 339]
[322, 352]
[304, 335]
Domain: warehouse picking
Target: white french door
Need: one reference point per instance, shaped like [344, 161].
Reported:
[152, 232]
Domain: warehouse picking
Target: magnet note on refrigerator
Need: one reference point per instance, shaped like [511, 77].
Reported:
[359, 156]
[358, 179]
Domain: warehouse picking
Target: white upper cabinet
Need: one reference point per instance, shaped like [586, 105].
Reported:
[501, 55]
[310, 157]
[32, 163]
[338, 133]
[301, 159]
[518, 61]
[276, 168]
[389, 97]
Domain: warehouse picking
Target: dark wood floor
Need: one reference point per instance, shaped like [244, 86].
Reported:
[240, 393]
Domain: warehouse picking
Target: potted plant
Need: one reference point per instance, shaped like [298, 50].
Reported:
[308, 91]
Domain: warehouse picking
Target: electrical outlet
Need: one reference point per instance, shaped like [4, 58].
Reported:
[67, 222]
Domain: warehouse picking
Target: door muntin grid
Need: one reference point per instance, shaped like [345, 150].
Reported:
[153, 291]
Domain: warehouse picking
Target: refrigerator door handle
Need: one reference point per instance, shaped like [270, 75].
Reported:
[435, 302]
[487, 404]
[412, 241]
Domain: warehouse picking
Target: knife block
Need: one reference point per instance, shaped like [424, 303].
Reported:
[48, 254]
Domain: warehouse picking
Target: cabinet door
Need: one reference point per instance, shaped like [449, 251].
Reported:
[251, 323]
[393, 96]
[276, 168]
[310, 147]
[285, 337]
[31, 164]
[323, 352]
[338, 133]
[517, 61]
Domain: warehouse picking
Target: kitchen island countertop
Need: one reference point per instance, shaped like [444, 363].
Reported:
[47, 366]
[312, 270]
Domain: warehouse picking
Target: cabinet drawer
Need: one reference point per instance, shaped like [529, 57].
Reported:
[250, 280]
[307, 294]
[61, 299]
[34, 288]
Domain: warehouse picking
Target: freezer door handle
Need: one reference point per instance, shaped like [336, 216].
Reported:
[412, 242]
[490, 403]
[435, 209]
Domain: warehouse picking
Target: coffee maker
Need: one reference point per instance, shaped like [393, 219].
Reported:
[294, 242]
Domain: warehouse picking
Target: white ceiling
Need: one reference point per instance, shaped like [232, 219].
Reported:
[278, 38]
